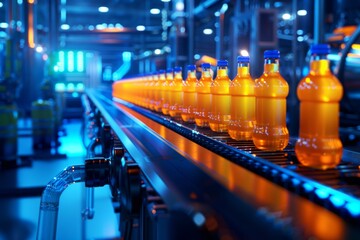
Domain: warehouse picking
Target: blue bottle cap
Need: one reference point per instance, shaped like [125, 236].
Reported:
[162, 71]
[205, 65]
[177, 69]
[320, 49]
[245, 59]
[169, 70]
[272, 54]
[191, 67]
[222, 63]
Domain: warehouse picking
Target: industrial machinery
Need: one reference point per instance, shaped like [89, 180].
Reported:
[176, 181]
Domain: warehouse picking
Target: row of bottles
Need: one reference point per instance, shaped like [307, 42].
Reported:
[250, 109]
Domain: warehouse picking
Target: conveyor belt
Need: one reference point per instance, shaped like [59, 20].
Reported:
[336, 189]
[279, 208]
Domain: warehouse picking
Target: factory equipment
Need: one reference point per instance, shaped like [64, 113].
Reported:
[174, 180]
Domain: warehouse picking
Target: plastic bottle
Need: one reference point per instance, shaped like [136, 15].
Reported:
[271, 90]
[242, 119]
[203, 96]
[189, 95]
[151, 91]
[176, 94]
[165, 91]
[220, 99]
[159, 80]
[319, 93]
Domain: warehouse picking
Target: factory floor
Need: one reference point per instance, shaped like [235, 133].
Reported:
[20, 197]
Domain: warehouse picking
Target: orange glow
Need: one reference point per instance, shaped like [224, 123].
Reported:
[31, 1]
[31, 36]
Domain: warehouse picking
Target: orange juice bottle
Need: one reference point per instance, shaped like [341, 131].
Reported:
[220, 99]
[242, 119]
[203, 96]
[176, 94]
[319, 93]
[151, 92]
[189, 95]
[165, 91]
[271, 90]
[159, 80]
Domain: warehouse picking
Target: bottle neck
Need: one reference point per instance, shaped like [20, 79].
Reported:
[222, 71]
[243, 69]
[169, 76]
[319, 64]
[271, 65]
[191, 74]
[162, 77]
[206, 73]
[178, 76]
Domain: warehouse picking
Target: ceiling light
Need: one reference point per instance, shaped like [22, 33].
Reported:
[65, 26]
[4, 25]
[39, 49]
[302, 12]
[286, 16]
[100, 27]
[244, 53]
[165, 0]
[118, 25]
[1, 4]
[157, 51]
[140, 28]
[154, 11]
[179, 6]
[91, 27]
[207, 31]
[299, 32]
[103, 9]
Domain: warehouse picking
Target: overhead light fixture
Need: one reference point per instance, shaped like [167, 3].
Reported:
[140, 28]
[179, 6]
[207, 31]
[65, 26]
[302, 12]
[165, 0]
[286, 16]
[39, 49]
[4, 25]
[1, 4]
[157, 51]
[244, 53]
[155, 11]
[100, 27]
[103, 9]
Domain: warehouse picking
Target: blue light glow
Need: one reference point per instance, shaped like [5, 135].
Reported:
[61, 63]
[60, 87]
[80, 61]
[337, 201]
[308, 187]
[199, 219]
[353, 208]
[321, 193]
[70, 61]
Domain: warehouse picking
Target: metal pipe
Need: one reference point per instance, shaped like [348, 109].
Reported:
[95, 173]
[319, 21]
[49, 205]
